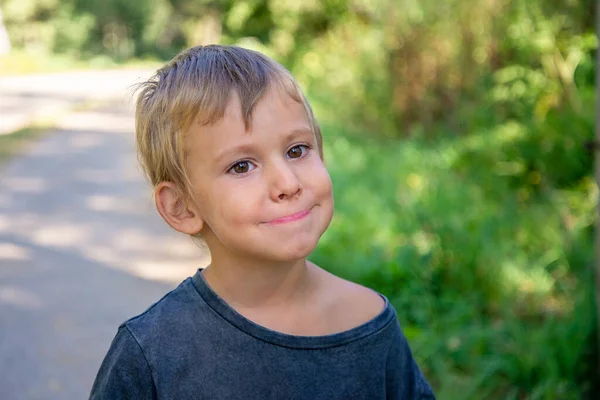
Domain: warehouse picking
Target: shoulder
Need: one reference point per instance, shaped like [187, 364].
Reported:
[180, 320]
[169, 314]
[124, 372]
[350, 302]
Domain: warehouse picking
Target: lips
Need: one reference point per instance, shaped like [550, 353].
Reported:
[290, 218]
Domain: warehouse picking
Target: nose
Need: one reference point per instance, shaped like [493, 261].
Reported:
[284, 183]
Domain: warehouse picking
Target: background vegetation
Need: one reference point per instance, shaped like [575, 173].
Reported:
[455, 135]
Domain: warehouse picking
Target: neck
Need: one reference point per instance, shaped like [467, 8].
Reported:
[259, 284]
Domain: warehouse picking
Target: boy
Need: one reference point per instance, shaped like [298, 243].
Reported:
[234, 153]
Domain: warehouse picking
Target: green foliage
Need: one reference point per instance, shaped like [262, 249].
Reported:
[493, 289]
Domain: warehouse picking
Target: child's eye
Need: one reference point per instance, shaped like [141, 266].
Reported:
[297, 151]
[241, 167]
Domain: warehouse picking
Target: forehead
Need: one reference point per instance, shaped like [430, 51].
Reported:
[276, 113]
[274, 109]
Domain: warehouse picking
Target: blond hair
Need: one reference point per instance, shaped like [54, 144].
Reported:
[196, 86]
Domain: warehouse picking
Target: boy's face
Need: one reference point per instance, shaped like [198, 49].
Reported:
[262, 193]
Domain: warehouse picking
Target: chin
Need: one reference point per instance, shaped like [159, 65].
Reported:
[299, 250]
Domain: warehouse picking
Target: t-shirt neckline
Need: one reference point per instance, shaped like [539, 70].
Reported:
[287, 340]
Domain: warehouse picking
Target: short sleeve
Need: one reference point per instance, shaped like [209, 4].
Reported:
[404, 379]
[125, 372]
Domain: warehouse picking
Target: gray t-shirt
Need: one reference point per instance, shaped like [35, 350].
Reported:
[192, 345]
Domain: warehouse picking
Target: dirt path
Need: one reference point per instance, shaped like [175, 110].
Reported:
[81, 250]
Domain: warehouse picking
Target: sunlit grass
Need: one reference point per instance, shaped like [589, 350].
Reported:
[15, 143]
[22, 62]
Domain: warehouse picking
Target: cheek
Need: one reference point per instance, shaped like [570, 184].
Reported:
[322, 190]
[235, 204]
[321, 181]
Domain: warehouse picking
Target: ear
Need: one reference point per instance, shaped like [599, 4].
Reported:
[175, 210]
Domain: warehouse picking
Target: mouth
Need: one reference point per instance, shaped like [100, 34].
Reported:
[290, 218]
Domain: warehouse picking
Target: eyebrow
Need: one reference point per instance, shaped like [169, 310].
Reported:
[248, 148]
[229, 153]
[298, 132]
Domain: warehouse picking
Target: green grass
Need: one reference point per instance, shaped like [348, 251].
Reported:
[15, 143]
[21, 62]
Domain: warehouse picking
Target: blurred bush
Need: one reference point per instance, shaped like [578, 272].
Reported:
[455, 135]
[493, 287]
